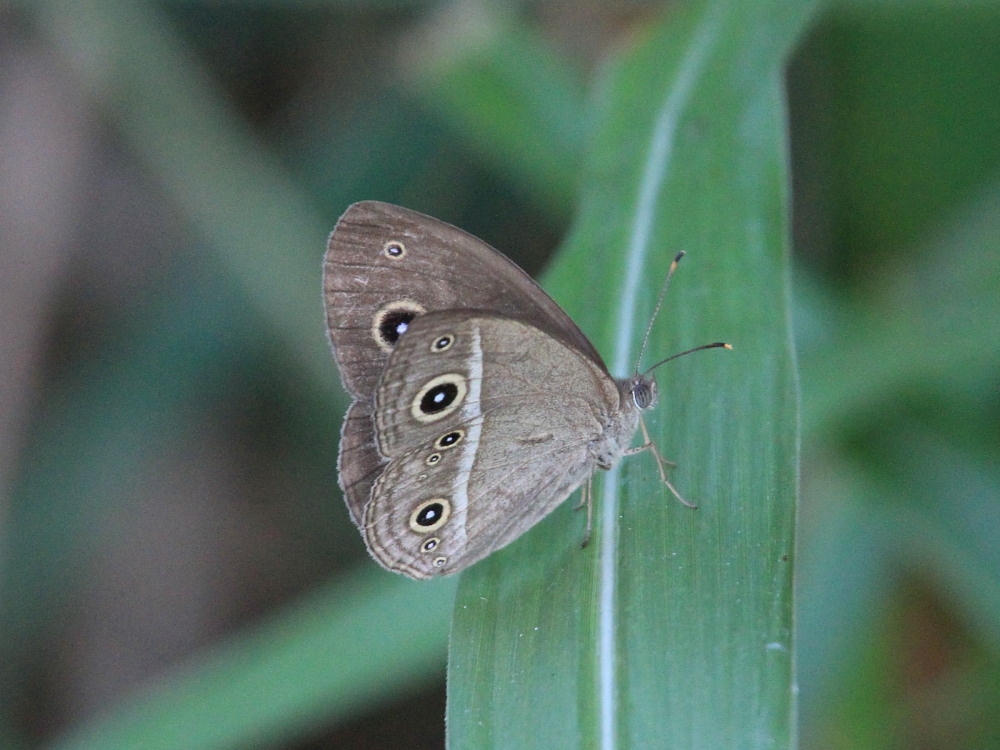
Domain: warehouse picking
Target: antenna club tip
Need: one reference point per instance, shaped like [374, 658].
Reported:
[677, 258]
[727, 346]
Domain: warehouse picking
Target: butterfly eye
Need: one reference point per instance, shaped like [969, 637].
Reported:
[430, 515]
[394, 249]
[449, 439]
[443, 343]
[644, 394]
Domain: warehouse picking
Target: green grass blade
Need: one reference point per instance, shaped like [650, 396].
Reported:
[674, 627]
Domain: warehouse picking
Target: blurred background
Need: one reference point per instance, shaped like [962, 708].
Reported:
[169, 412]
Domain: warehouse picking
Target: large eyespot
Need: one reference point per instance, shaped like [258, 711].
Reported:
[430, 515]
[443, 343]
[430, 544]
[392, 320]
[394, 249]
[449, 439]
[439, 397]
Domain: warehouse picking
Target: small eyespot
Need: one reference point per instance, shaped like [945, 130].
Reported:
[430, 515]
[393, 320]
[449, 439]
[440, 561]
[439, 397]
[443, 343]
[432, 459]
[430, 544]
[394, 249]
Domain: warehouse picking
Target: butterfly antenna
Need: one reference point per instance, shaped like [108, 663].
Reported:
[656, 310]
[716, 345]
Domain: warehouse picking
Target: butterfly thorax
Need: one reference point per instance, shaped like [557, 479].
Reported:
[636, 394]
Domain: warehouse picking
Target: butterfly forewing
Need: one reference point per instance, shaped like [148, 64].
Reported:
[385, 264]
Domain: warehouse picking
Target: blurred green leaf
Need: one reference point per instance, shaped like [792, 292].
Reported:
[846, 576]
[120, 407]
[674, 626]
[915, 108]
[302, 670]
[950, 515]
[899, 386]
[930, 321]
[904, 346]
[507, 95]
[227, 183]
[93, 436]
[311, 665]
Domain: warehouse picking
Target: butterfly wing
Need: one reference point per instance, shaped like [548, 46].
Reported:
[385, 264]
[487, 425]
[359, 462]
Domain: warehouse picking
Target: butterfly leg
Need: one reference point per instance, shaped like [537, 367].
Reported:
[587, 499]
[661, 462]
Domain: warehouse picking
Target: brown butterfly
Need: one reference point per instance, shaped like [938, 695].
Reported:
[479, 406]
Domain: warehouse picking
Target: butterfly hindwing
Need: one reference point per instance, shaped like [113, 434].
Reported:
[486, 424]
